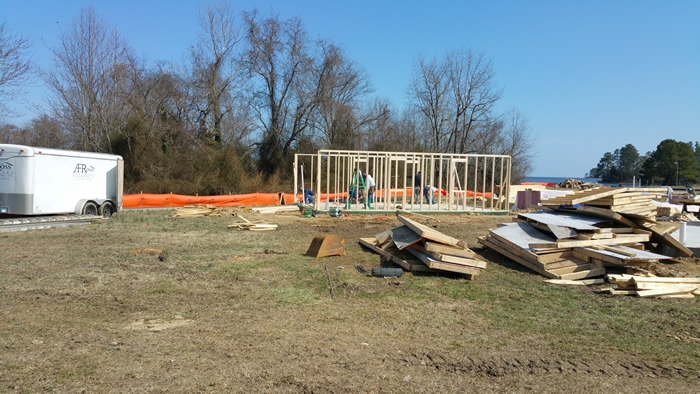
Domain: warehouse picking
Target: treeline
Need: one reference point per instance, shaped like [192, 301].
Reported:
[672, 163]
[253, 91]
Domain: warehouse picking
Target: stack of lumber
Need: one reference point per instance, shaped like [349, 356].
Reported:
[568, 245]
[576, 184]
[252, 226]
[633, 201]
[275, 209]
[190, 211]
[419, 248]
[653, 286]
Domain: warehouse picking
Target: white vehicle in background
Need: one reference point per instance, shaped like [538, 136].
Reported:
[41, 181]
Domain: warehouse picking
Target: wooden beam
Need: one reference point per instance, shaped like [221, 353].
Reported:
[429, 233]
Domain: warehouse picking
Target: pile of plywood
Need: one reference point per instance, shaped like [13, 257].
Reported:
[190, 211]
[653, 286]
[563, 245]
[633, 201]
[419, 248]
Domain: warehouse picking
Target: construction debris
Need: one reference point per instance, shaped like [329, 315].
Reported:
[416, 247]
[653, 286]
[576, 184]
[253, 226]
[195, 211]
[634, 201]
[276, 209]
[326, 245]
[577, 243]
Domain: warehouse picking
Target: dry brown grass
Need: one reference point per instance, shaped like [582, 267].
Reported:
[81, 310]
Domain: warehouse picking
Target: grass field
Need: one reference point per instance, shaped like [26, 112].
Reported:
[227, 310]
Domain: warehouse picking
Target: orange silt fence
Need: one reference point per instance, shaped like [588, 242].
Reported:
[145, 200]
[178, 200]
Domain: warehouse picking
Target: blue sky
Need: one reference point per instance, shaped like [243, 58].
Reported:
[591, 76]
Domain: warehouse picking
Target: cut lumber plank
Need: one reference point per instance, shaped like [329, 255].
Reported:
[661, 279]
[408, 265]
[430, 233]
[631, 238]
[443, 266]
[447, 249]
[524, 262]
[451, 259]
[606, 213]
[582, 282]
[667, 291]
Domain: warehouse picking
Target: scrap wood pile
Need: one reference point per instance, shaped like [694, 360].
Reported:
[653, 286]
[189, 211]
[576, 184]
[619, 209]
[570, 245]
[419, 248]
[636, 201]
[252, 226]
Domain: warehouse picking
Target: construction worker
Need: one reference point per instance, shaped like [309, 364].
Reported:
[369, 184]
[309, 195]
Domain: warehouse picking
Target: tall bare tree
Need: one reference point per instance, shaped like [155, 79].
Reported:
[90, 64]
[430, 93]
[15, 64]
[285, 90]
[338, 116]
[455, 95]
[215, 72]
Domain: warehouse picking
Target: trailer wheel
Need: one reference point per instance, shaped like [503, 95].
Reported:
[90, 208]
[106, 210]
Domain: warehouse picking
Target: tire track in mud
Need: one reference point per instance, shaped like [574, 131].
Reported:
[497, 367]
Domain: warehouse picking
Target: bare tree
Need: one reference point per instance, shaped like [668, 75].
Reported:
[215, 72]
[430, 95]
[455, 96]
[285, 90]
[90, 64]
[338, 116]
[15, 65]
[518, 142]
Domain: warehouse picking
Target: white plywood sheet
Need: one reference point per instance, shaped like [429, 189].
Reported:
[522, 235]
[572, 220]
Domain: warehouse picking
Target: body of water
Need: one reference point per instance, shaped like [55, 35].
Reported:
[556, 179]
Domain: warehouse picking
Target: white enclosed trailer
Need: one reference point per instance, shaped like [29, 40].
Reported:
[42, 181]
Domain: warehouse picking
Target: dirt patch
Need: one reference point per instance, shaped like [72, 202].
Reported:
[145, 324]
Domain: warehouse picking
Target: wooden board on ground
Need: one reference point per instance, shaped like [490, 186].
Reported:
[447, 249]
[613, 255]
[582, 282]
[430, 233]
[391, 253]
[442, 266]
[618, 240]
[471, 262]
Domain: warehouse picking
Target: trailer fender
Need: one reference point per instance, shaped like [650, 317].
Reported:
[86, 207]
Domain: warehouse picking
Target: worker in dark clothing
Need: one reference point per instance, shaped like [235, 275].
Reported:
[416, 188]
[309, 195]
